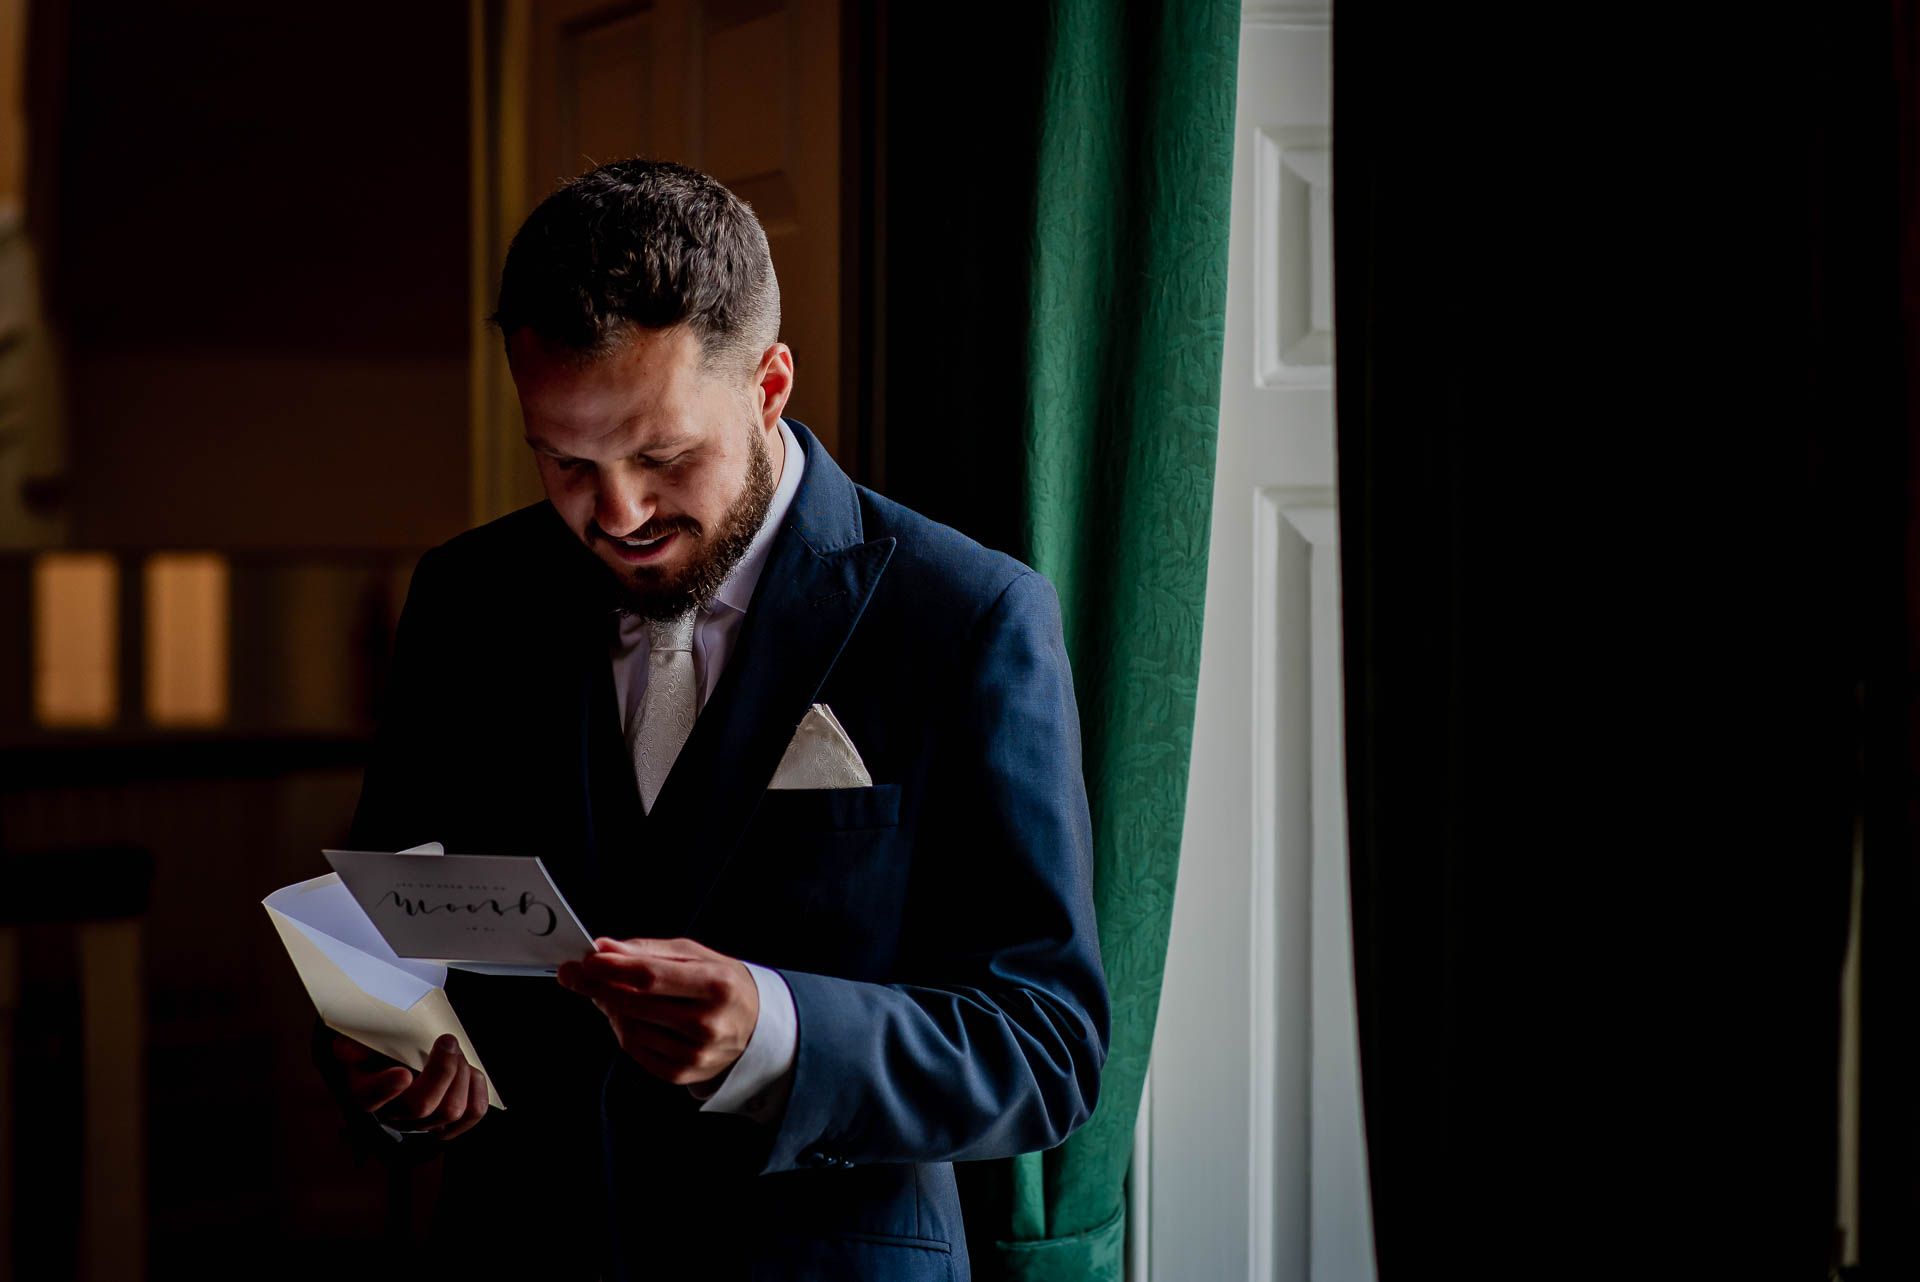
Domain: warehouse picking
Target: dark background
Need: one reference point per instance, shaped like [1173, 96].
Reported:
[253, 234]
[1630, 631]
[1629, 594]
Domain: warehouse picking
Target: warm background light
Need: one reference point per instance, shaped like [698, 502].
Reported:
[187, 613]
[76, 628]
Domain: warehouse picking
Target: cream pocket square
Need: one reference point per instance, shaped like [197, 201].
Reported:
[821, 756]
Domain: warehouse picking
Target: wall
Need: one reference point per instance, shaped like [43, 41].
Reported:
[259, 263]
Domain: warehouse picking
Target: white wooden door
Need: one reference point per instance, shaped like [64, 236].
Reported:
[1250, 1132]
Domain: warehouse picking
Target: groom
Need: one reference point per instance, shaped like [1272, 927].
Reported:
[805, 1003]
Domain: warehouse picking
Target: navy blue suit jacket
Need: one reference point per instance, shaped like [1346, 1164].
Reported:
[936, 929]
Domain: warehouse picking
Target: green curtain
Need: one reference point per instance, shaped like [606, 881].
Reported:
[1127, 291]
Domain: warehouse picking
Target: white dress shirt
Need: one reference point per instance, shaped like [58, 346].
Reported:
[757, 1083]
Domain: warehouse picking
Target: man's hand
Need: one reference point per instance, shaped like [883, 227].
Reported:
[447, 1098]
[681, 1010]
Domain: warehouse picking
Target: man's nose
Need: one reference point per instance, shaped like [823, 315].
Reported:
[622, 505]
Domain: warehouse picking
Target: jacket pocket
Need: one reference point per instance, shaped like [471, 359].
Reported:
[852, 1257]
[836, 809]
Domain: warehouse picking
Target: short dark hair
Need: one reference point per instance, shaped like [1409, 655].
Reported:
[642, 243]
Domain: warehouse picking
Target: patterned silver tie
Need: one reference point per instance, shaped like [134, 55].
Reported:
[668, 705]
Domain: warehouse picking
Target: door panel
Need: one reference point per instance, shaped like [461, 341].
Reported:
[1252, 1131]
[746, 90]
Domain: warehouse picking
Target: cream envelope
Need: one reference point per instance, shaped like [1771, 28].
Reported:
[361, 989]
[821, 756]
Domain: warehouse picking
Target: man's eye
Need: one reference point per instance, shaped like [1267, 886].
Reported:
[569, 464]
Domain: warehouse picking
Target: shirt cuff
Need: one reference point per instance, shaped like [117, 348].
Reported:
[757, 1083]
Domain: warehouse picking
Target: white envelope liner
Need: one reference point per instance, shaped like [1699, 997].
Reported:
[401, 1004]
[323, 911]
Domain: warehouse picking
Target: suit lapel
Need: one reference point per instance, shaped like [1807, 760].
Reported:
[576, 614]
[818, 579]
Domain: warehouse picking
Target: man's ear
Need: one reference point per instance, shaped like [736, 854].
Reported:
[773, 384]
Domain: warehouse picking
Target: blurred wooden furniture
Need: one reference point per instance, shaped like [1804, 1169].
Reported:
[102, 892]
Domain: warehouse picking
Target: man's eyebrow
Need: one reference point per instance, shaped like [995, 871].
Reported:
[673, 445]
[678, 445]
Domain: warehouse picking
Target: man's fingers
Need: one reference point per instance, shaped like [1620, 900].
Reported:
[419, 1101]
[666, 1058]
[575, 977]
[377, 1090]
[476, 1106]
[674, 949]
[634, 1008]
[690, 1019]
[591, 986]
[641, 972]
[668, 976]
[354, 1054]
[634, 1044]
[677, 1016]
[679, 1022]
[663, 1043]
[453, 1105]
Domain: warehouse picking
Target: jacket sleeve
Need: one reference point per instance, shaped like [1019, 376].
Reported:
[993, 1043]
[399, 796]
[403, 794]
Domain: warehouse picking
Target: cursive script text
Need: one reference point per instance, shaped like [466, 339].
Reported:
[539, 917]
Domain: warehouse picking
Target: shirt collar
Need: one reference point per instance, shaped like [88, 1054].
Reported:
[738, 589]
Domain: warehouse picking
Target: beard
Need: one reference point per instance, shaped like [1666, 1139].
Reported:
[665, 594]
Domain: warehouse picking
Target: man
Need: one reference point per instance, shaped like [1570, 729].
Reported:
[805, 1002]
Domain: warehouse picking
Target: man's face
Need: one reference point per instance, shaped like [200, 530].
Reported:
[664, 470]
